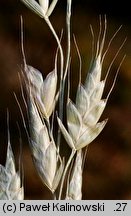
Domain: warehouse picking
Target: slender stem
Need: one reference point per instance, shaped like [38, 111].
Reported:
[54, 196]
[61, 77]
[65, 171]
[68, 18]
[58, 42]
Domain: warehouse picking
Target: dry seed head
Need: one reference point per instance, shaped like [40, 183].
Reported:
[10, 181]
[79, 135]
[39, 133]
[43, 91]
[44, 151]
[83, 117]
[45, 163]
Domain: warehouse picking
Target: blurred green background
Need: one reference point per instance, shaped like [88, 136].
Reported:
[107, 173]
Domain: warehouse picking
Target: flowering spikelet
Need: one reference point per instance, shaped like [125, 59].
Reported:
[74, 188]
[43, 91]
[80, 133]
[83, 116]
[43, 150]
[42, 96]
[10, 182]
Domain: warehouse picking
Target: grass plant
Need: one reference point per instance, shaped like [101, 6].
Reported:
[83, 115]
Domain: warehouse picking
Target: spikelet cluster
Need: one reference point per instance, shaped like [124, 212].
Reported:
[83, 116]
[42, 101]
[10, 181]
